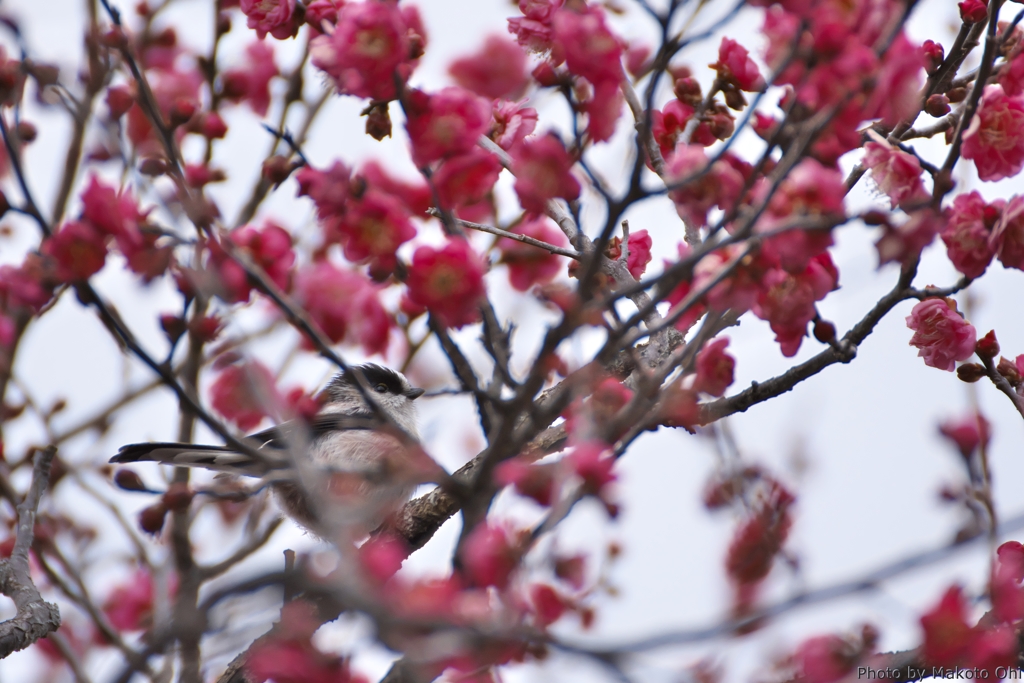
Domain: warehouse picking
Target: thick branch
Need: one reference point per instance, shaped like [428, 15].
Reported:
[36, 618]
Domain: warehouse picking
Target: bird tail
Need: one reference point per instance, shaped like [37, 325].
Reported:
[216, 458]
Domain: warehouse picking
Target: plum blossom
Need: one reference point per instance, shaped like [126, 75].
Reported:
[897, 173]
[372, 44]
[275, 17]
[714, 368]
[1007, 239]
[529, 265]
[543, 171]
[720, 186]
[345, 305]
[245, 393]
[735, 66]
[512, 123]
[78, 249]
[995, 139]
[445, 124]
[467, 178]
[448, 281]
[968, 232]
[497, 71]
[787, 300]
[967, 433]
[491, 555]
[251, 83]
[941, 335]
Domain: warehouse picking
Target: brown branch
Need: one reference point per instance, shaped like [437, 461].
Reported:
[558, 251]
[35, 618]
[1003, 385]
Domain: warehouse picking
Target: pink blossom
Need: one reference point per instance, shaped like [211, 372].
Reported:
[372, 44]
[995, 138]
[445, 124]
[372, 228]
[905, 242]
[512, 123]
[28, 286]
[344, 305]
[967, 433]
[548, 605]
[603, 109]
[897, 85]
[1007, 240]
[1005, 583]
[78, 250]
[415, 196]
[897, 173]
[967, 234]
[529, 265]
[738, 291]
[735, 66]
[700, 189]
[589, 48]
[824, 659]
[1011, 76]
[245, 393]
[251, 83]
[109, 211]
[270, 247]
[448, 281]
[759, 538]
[533, 481]
[787, 300]
[714, 368]
[640, 243]
[941, 335]
[271, 16]
[497, 71]
[382, 556]
[668, 124]
[592, 462]
[466, 178]
[490, 555]
[947, 635]
[330, 190]
[129, 607]
[543, 171]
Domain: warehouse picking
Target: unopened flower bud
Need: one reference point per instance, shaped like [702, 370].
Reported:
[956, 94]
[734, 100]
[937, 105]
[212, 126]
[545, 75]
[934, 55]
[875, 217]
[119, 100]
[973, 11]
[153, 166]
[182, 110]
[223, 23]
[178, 497]
[824, 331]
[987, 347]
[173, 327]
[128, 480]
[276, 169]
[1008, 369]
[970, 372]
[26, 131]
[151, 519]
[378, 122]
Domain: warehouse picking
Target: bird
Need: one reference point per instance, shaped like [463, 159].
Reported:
[365, 460]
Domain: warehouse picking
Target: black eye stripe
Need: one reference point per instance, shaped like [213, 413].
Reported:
[375, 376]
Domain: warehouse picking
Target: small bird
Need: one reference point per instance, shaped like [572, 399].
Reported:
[355, 455]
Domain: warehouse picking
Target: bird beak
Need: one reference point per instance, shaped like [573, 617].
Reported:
[414, 394]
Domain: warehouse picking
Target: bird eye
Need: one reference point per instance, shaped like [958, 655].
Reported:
[381, 388]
